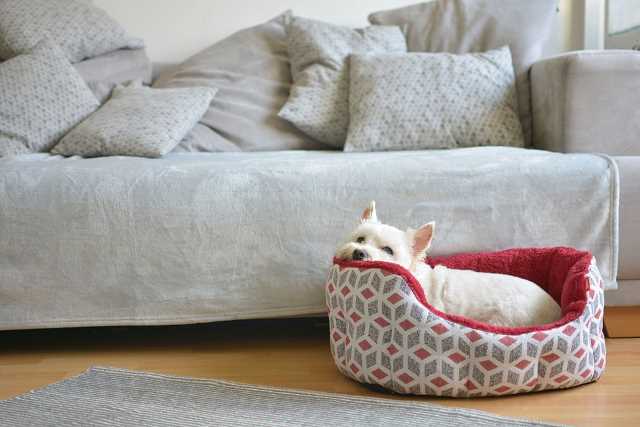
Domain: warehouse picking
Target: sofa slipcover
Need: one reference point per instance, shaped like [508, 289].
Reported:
[198, 237]
[587, 101]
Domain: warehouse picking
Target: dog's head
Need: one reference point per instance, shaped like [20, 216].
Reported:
[374, 241]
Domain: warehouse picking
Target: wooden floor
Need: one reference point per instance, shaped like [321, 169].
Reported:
[287, 353]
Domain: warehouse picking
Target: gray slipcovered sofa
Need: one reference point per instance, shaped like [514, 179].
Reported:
[589, 101]
[199, 237]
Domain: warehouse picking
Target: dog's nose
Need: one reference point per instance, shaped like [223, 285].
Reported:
[358, 255]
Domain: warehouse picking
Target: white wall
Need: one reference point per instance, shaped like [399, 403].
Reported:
[176, 29]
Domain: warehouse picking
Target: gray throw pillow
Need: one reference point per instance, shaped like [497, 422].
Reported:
[41, 98]
[466, 26]
[419, 101]
[251, 71]
[137, 121]
[318, 104]
[79, 28]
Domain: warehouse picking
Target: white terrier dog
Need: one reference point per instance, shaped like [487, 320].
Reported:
[497, 299]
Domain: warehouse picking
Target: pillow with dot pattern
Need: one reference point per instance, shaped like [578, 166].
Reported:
[42, 97]
[319, 53]
[420, 101]
[138, 121]
[81, 29]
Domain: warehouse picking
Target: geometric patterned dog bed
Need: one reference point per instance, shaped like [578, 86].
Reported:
[384, 332]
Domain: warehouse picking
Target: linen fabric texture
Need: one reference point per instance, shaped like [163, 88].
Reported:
[319, 52]
[103, 73]
[41, 98]
[251, 71]
[81, 29]
[129, 240]
[138, 121]
[469, 26]
[420, 101]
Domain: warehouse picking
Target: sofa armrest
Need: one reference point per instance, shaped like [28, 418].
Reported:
[587, 101]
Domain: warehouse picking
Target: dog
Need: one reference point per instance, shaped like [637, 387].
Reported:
[496, 299]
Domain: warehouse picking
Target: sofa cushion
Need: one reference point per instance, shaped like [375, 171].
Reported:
[102, 73]
[432, 100]
[81, 29]
[463, 26]
[251, 71]
[137, 121]
[41, 98]
[318, 104]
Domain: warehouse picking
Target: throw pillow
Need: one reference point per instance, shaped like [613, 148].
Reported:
[81, 29]
[466, 26]
[318, 104]
[420, 100]
[103, 73]
[251, 71]
[138, 121]
[41, 98]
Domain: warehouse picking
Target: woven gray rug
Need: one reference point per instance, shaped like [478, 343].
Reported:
[117, 397]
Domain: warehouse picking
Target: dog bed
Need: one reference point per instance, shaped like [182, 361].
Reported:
[384, 332]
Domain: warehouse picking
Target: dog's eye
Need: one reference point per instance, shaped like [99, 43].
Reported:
[360, 240]
[388, 250]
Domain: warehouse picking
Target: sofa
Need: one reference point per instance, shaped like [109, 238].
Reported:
[589, 101]
[201, 237]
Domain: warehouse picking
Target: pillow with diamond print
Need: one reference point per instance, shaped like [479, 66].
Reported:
[42, 97]
[469, 26]
[419, 101]
[138, 121]
[81, 29]
[319, 54]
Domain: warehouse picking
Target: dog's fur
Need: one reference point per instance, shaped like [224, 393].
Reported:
[497, 299]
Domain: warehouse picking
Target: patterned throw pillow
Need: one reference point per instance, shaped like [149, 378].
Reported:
[433, 100]
[467, 26]
[138, 121]
[41, 98]
[251, 71]
[318, 103]
[81, 29]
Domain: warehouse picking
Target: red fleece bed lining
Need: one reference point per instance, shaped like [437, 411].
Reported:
[559, 271]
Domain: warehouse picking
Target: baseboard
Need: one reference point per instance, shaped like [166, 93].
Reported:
[627, 294]
[622, 322]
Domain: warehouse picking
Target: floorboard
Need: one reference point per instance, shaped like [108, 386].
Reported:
[287, 353]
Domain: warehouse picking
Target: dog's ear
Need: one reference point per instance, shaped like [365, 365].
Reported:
[369, 214]
[422, 240]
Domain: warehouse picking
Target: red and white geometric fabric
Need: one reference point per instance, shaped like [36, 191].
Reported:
[383, 331]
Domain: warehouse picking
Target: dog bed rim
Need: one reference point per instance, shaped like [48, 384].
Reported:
[393, 268]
